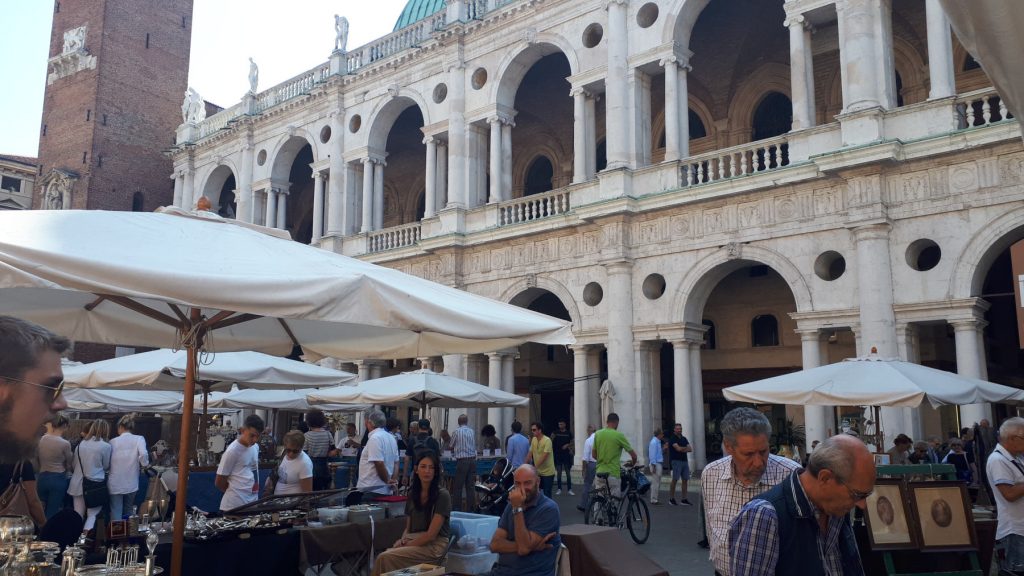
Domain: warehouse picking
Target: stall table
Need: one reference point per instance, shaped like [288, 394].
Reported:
[346, 546]
[600, 550]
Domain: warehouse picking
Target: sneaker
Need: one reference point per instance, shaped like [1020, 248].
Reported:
[581, 508]
[655, 503]
[571, 493]
[673, 502]
[704, 544]
[686, 502]
[558, 492]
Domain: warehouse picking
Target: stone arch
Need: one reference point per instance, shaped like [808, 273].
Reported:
[215, 180]
[911, 66]
[981, 251]
[383, 117]
[286, 150]
[701, 279]
[682, 16]
[554, 154]
[771, 77]
[519, 294]
[515, 65]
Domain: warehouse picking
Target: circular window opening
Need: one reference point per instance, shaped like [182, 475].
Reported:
[593, 294]
[355, 123]
[592, 35]
[440, 93]
[830, 265]
[261, 158]
[479, 78]
[654, 286]
[647, 15]
[325, 134]
[923, 254]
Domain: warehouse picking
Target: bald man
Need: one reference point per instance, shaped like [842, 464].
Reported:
[799, 527]
[527, 539]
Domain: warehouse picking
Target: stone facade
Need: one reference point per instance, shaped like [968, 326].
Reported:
[17, 180]
[841, 178]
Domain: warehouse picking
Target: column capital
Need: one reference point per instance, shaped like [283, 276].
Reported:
[645, 345]
[580, 91]
[906, 329]
[796, 21]
[580, 348]
[428, 140]
[965, 325]
[618, 266]
[503, 119]
[809, 334]
[872, 231]
[318, 174]
[609, 3]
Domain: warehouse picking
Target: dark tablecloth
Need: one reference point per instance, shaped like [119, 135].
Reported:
[599, 550]
[328, 544]
[911, 561]
[273, 553]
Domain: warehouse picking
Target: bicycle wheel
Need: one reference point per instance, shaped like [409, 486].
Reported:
[596, 512]
[638, 520]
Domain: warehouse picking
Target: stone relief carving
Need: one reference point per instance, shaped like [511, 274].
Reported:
[786, 208]
[734, 250]
[681, 226]
[914, 187]
[590, 243]
[74, 40]
[713, 221]
[1011, 169]
[57, 192]
[963, 178]
[827, 201]
[750, 214]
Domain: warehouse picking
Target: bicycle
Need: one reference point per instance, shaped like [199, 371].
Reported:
[629, 508]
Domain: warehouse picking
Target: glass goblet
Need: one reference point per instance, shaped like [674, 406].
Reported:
[151, 541]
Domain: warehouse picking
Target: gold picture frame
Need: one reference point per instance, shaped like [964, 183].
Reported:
[944, 518]
[889, 517]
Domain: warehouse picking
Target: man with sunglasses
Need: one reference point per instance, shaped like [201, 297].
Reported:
[1005, 472]
[800, 527]
[31, 381]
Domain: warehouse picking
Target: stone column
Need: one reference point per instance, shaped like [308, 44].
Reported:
[187, 193]
[816, 418]
[506, 159]
[590, 111]
[364, 370]
[640, 127]
[644, 396]
[495, 416]
[801, 66]
[594, 385]
[457, 149]
[672, 109]
[621, 367]
[908, 344]
[378, 195]
[698, 441]
[866, 55]
[282, 209]
[969, 363]
[682, 393]
[508, 384]
[246, 203]
[338, 201]
[495, 158]
[617, 113]
[581, 397]
[367, 223]
[940, 51]
[579, 135]
[271, 216]
[441, 188]
[179, 183]
[318, 206]
[430, 181]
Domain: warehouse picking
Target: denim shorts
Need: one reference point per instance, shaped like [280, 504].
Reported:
[680, 469]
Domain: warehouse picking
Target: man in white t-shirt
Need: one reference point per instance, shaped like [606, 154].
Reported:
[589, 468]
[377, 468]
[238, 472]
[1005, 470]
[295, 473]
[656, 460]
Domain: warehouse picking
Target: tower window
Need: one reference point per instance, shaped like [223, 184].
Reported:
[56, 7]
[147, 39]
[183, 25]
[85, 155]
[44, 129]
[104, 119]
[88, 115]
[138, 202]
[710, 337]
[99, 161]
[764, 330]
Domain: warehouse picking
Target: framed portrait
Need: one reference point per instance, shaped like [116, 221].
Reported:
[943, 514]
[889, 518]
[882, 459]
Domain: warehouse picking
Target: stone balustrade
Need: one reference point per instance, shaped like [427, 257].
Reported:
[979, 108]
[396, 237]
[297, 86]
[219, 120]
[399, 40]
[533, 207]
[742, 160]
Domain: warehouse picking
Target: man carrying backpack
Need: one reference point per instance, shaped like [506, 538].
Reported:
[422, 442]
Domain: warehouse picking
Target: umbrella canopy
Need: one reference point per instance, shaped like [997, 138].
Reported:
[282, 400]
[165, 370]
[121, 400]
[420, 388]
[871, 381]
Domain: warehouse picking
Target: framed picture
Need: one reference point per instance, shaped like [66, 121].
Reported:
[943, 514]
[882, 459]
[888, 515]
[118, 529]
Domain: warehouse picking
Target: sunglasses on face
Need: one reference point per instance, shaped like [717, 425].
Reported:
[55, 389]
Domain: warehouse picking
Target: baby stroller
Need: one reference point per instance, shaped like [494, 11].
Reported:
[492, 491]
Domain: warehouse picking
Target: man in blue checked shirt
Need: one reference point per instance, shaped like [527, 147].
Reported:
[776, 532]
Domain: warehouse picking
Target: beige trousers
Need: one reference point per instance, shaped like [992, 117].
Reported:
[398, 558]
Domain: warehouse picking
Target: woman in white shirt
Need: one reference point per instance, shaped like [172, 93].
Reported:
[129, 455]
[92, 460]
[295, 473]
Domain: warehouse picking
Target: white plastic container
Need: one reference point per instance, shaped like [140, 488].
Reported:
[332, 515]
[361, 514]
[479, 526]
[476, 563]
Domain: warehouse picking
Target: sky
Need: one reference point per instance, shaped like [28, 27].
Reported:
[284, 38]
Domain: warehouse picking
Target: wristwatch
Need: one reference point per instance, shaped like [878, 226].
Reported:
[517, 510]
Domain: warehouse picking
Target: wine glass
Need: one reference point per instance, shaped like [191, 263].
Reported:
[152, 539]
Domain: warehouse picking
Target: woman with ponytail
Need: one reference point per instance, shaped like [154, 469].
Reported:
[128, 458]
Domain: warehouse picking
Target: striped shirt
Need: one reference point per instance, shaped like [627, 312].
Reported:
[723, 497]
[464, 442]
[318, 443]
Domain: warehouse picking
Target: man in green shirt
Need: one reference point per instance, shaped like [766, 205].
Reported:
[608, 446]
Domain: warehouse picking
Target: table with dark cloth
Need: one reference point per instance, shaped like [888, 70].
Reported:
[348, 543]
[600, 550]
[913, 561]
[273, 553]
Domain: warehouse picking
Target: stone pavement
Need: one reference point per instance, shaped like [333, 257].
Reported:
[674, 532]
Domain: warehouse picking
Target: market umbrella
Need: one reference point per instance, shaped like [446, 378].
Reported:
[196, 281]
[282, 400]
[422, 388]
[122, 400]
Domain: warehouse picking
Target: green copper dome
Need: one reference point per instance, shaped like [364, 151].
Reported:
[417, 10]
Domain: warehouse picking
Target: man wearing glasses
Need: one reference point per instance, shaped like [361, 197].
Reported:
[800, 527]
[1005, 471]
[31, 381]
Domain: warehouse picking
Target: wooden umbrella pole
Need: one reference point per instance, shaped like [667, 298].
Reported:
[192, 344]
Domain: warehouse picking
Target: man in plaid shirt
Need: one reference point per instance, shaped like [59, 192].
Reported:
[464, 450]
[748, 470]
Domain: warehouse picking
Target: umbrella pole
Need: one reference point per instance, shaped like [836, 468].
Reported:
[178, 544]
[206, 416]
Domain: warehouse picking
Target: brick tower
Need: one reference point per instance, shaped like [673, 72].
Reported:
[116, 77]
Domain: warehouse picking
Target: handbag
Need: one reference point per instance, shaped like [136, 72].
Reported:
[14, 500]
[93, 491]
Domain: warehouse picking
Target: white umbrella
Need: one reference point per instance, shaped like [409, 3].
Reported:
[124, 400]
[197, 281]
[282, 400]
[871, 381]
[420, 388]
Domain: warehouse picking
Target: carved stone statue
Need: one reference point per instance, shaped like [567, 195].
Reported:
[193, 110]
[58, 187]
[74, 40]
[185, 104]
[254, 76]
[340, 33]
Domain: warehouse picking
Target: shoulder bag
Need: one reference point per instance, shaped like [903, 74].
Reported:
[94, 492]
[14, 500]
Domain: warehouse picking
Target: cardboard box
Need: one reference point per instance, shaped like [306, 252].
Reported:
[418, 570]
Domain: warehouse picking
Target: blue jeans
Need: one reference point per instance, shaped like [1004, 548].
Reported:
[52, 487]
[546, 482]
[589, 470]
[564, 467]
[121, 504]
[1013, 549]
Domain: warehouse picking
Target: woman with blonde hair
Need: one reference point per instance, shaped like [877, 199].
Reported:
[128, 456]
[55, 465]
[89, 480]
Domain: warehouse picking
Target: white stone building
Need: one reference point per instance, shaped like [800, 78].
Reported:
[712, 191]
[17, 179]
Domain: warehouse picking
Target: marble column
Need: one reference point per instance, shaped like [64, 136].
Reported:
[179, 183]
[581, 397]
[908, 344]
[816, 418]
[495, 416]
[506, 159]
[318, 206]
[967, 333]
[430, 181]
[866, 54]
[594, 384]
[801, 66]
[364, 370]
[508, 384]
[271, 216]
[644, 396]
[579, 135]
[495, 158]
[682, 390]
[457, 149]
[282, 209]
[640, 127]
[940, 51]
[617, 113]
[441, 188]
[367, 223]
[246, 203]
[590, 111]
[378, 195]
[621, 366]
[672, 109]
[337, 180]
[698, 439]
[187, 192]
